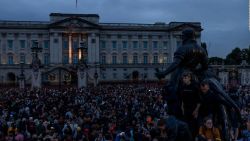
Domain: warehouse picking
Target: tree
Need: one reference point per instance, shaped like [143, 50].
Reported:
[234, 58]
[216, 61]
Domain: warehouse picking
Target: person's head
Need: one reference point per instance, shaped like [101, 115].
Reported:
[186, 78]
[204, 86]
[188, 34]
[208, 122]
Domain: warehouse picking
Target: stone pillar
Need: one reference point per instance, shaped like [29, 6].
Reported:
[82, 77]
[36, 79]
[223, 77]
[60, 48]
[172, 47]
[21, 83]
[245, 76]
[70, 49]
[22, 79]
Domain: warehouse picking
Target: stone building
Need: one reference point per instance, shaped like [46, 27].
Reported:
[115, 51]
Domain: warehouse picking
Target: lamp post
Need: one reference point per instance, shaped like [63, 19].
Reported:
[82, 65]
[244, 75]
[96, 75]
[36, 64]
[22, 77]
[244, 57]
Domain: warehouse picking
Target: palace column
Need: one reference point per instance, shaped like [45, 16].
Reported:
[70, 49]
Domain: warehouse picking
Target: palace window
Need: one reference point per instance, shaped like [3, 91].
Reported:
[75, 59]
[10, 59]
[114, 59]
[103, 45]
[46, 58]
[22, 58]
[165, 45]
[135, 44]
[46, 44]
[114, 45]
[155, 59]
[135, 59]
[124, 45]
[125, 58]
[10, 44]
[155, 44]
[75, 46]
[114, 75]
[65, 44]
[66, 59]
[22, 44]
[145, 58]
[103, 59]
[145, 44]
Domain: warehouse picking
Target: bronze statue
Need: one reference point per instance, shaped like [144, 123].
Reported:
[192, 57]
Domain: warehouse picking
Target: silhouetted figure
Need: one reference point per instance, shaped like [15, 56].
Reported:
[192, 57]
[188, 57]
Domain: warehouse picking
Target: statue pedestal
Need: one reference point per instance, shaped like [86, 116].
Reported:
[81, 78]
[21, 83]
[36, 79]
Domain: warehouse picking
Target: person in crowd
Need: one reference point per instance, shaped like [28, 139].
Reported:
[88, 113]
[211, 102]
[172, 129]
[207, 132]
[246, 133]
[190, 101]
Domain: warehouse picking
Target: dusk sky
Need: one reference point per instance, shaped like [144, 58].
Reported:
[225, 22]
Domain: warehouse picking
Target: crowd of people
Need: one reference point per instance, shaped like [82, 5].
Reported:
[122, 112]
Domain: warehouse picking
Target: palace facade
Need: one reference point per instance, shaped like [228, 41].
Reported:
[115, 51]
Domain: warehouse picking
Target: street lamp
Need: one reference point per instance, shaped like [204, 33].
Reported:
[36, 64]
[244, 57]
[35, 48]
[82, 49]
[82, 65]
[96, 74]
[22, 77]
